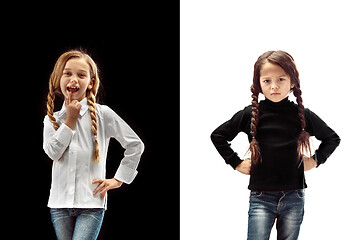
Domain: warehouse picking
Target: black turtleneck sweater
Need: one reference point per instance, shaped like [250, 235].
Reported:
[277, 132]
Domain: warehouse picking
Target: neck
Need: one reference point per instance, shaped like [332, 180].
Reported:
[284, 101]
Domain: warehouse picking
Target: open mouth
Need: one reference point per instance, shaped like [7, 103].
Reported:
[72, 89]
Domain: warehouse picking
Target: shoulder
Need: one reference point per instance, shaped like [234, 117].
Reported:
[313, 121]
[246, 111]
[102, 108]
[309, 114]
[104, 111]
[243, 116]
[243, 113]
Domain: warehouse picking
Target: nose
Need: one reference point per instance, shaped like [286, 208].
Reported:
[274, 86]
[74, 80]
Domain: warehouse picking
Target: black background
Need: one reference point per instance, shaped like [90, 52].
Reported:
[136, 48]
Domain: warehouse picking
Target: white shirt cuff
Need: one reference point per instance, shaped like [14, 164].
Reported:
[125, 174]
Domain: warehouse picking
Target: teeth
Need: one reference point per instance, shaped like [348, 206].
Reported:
[72, 89]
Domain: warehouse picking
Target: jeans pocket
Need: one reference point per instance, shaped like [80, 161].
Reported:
[255, 194]
[96, 213]
[300, 193]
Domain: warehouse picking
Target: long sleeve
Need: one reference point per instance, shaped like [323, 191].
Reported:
[225, 133]
[55, 142]
[117, 128]
[315, 126]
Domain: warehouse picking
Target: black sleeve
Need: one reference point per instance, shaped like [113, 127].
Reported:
[315, 126]
[225, 133]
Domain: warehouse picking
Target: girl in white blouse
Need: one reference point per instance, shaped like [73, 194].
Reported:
[76, 138]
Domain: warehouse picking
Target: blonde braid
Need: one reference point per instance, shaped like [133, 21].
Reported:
[54, 88]
[50, 106]
[92, 107]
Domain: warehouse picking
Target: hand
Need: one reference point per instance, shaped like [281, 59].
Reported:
[309, 163]
[244, 167]
[72, 108]
[106, 185]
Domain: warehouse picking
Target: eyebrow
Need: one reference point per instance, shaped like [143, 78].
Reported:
[69, 69]
[283, 75]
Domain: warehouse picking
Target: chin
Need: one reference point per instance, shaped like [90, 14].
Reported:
[278, 98]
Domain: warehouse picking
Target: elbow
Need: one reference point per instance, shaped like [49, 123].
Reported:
[338, 141]
[137, 146]
[53, 155]
[141, 147]
[215, 138]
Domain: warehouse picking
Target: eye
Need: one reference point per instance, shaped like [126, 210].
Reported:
[82, 75]
[282, 79]
[67, 74]
[266, 81]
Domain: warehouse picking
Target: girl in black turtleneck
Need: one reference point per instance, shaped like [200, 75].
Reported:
[278, 131]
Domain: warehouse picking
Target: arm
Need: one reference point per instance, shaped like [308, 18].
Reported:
[315, 126]
[117, 128]
[225, 133]
[55, 142]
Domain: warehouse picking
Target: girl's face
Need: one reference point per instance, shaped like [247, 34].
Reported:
[76, 79]
[275, 82]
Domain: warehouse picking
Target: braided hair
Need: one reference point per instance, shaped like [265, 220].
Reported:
[54, 89]
[286, 62]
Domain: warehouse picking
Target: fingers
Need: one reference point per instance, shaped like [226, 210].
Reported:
[244, 167]
[309, 163]
[105, 185]
[101, 185]
[70, 96]
[103, 192]
[97, 180]
[67, 101]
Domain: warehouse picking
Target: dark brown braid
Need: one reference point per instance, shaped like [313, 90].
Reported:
[254, 145]
[286, 62]
[303, 145]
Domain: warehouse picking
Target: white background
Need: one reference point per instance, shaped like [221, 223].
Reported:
[220, 40]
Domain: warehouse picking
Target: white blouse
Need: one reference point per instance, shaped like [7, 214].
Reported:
[71, 151]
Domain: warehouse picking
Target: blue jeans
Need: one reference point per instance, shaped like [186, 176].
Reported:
[285, 206]
[77, 223]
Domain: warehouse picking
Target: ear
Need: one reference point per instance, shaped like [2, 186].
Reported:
[292, 87]
[91, 84]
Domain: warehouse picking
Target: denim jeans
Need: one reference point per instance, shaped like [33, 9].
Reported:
[77, 223]
[287, 207]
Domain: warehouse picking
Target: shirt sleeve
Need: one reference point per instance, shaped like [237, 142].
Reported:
[315, 126]
[55, 142]
[134, 147]
[225, 133]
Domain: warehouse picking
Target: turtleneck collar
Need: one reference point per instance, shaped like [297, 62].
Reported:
[276, 104]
